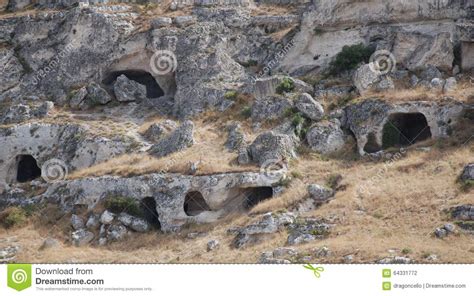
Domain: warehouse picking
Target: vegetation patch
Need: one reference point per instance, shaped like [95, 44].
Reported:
[286, 85]
[14, 216]
[349, 58]
[119, 204]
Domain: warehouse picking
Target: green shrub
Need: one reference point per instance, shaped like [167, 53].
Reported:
[231, 95]
[349, 58]
[118, 204]
[14, 217]
[285, 86]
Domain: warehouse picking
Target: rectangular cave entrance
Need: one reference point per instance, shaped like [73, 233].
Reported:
[153, 89]
[255, 195]
[148, 208]
[27, 168]
[195, 204]
[405, 129]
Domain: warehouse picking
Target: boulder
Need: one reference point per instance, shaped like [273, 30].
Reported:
[271, 107]
[134, 223]
[468, 173]
[309, 107]
[236, 138]
[272, 146]
[116, 232]
[81, 237]
[430, 72]
[106, 217]
[320, 193]
[127, 90]
[158, 130]
[77, 222]
[326, 137]
[160, 22]
[49, 243]
[450, 84]
[284, 252]
[463, 212]
[437, 84]
[212, 245]
[365, 78]
[180, 139]
[93, 221]
[184, 20]
[307, 230]
[97, 95]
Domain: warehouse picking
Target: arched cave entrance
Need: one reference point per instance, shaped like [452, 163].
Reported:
[255, 195]
[148, 207]
[153, 89]
[27, 169]
[372, 146]
[195, 204]
[405, 129]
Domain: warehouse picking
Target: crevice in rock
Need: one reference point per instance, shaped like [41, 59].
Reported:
[254, 196]
[372, 146]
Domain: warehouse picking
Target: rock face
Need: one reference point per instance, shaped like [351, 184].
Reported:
[368, 119]
[312, 50]
[67, 142]
[167, 190]
[326, 137]
[180, 139]
[272, 146]
[19, 113]
[308, 230]
[468, 173]
[127, 90]
[236, 138]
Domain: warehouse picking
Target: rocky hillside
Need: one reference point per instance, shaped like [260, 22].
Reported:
[237, 131]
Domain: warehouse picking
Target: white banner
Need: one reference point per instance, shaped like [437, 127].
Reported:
[238, 280]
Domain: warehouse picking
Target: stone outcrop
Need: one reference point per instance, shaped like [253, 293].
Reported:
[223, 193]
[368, 119]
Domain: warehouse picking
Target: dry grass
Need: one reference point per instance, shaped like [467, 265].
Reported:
[208, 152]
[399, 211]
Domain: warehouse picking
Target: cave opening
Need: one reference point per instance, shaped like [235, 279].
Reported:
[195, 204]
[28, 169]
[405, 129]
[254, 196]
[372, 146]
[148, 207]
[153, 89]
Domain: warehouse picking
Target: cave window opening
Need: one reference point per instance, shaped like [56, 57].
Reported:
[405, 129]
[153, 89]
[254, 196]
[148, 207]
[195, 204]
[372, 146]
[28, 169]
